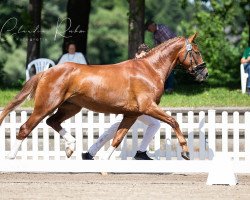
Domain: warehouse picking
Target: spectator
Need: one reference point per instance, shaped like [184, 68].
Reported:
[162, 33]
[245, 60]
[72, 55]
[153, 127]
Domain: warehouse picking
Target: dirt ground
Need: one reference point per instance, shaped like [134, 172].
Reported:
[118, 186]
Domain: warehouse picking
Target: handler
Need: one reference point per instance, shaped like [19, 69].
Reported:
[162, 33]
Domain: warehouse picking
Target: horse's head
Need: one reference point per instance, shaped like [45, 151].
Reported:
[190, 58]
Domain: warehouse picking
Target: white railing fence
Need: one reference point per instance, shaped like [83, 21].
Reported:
[207, 133]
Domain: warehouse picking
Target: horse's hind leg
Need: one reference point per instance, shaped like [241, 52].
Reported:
[65, 111]
[35, 118]
[45, 104]
[125, 125]
[156, 112]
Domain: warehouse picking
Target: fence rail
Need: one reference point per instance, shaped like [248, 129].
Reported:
[207, 133]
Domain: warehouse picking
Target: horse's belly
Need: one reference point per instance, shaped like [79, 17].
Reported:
[103, 106]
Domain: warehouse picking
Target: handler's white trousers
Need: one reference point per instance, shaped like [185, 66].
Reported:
[153, 126]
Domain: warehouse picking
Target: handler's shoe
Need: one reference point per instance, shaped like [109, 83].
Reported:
[142, 156]
[87, 156]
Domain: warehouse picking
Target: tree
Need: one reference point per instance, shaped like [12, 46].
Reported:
[169, 13]
[34, 36]
[77, 24]
[13, 15]
[135, 26]
[245, 6]
[222, 40]
[108, 35]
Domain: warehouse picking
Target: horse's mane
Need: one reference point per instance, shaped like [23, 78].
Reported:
[166, 43]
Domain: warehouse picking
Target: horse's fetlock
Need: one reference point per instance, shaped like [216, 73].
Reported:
[185, 148]
[117, 141]
[22, 133]
[21, 136]
[183, 143]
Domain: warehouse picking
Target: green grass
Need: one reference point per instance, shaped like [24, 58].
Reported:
[7, 95]
[203, 96]
[184, 96]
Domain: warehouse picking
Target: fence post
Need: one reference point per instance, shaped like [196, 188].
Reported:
[236, 137]
[168, 139]
[191, 134]
[57, 145]
[101, 125]
[35, 143]
[2, 140]
[12, 129]
[202, 146]
[78, 134]
[247, 136]
[90, 132]
[211, 134]
[24, 143]
[45, 140]
[224, 132]
[178, 147]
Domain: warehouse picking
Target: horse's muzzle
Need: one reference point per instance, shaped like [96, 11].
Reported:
[201, 72]
[201, 77]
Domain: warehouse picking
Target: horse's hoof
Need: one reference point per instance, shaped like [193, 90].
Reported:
[68, 152]
[185, 155]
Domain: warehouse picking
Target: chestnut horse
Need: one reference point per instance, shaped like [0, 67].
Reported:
[132, 88]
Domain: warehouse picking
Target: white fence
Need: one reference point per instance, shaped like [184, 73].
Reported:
[207, 133]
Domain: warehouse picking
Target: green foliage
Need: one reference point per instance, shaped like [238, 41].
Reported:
[219, 25]
[13, 21]
[15, 27]
[166, 12]
[108, 36]
[14, 67]
[53, 28]
[222, 27]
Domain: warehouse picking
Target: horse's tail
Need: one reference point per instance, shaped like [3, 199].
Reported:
[29, 88]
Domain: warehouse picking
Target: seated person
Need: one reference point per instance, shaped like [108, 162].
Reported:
[245, 60]
[72, 55]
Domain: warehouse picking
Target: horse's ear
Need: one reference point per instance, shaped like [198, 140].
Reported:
[192, 37]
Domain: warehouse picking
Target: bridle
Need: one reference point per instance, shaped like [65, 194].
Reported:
[198, 68]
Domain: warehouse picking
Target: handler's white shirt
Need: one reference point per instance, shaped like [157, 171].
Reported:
[77, 57]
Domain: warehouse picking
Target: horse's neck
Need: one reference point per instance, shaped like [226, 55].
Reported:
[165, 59]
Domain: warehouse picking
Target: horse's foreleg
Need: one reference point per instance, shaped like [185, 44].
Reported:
[156, 112]
[65, 111]
[125, 125]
